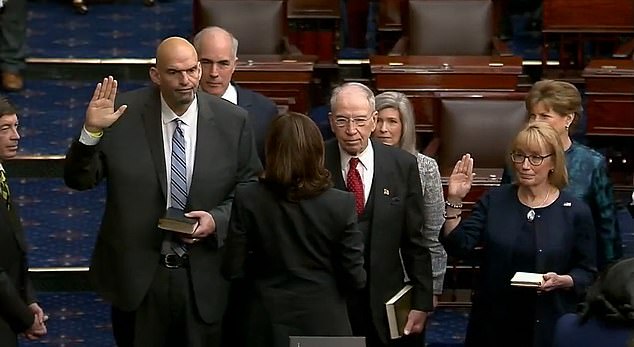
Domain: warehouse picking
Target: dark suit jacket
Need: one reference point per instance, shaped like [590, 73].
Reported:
[301, 260]
[395, 224]
[565, 241]
[16, 292]
[261, 112]
[130, 155]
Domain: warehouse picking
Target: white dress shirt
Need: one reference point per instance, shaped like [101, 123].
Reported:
[365, 168]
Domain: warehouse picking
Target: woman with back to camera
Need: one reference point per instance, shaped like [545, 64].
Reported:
[294, 240]
[558, 103]
[531, 226]
[396, 127]
[607, 315]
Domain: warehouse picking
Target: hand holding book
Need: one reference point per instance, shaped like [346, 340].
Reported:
[554, 281]
[543, 282]
[175, 220]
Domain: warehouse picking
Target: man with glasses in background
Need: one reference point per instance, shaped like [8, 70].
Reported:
[388, 194]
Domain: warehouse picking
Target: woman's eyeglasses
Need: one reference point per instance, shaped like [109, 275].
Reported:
[518, 158]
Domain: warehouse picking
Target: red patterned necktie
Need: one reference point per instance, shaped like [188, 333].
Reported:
[355, 185]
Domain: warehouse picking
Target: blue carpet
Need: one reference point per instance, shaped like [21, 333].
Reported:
[60, 224]
[75, 319]
[447, 327]
[83, 319]
[52, 113]
[109, 30]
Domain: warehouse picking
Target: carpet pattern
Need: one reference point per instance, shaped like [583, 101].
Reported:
[122, 29]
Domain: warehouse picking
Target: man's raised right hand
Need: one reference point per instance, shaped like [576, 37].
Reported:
[100, 113]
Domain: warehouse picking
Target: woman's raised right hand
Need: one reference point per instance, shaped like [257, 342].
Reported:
[461, 178]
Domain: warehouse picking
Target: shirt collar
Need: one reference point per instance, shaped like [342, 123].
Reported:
[167, 115]
[231, 94]
[366, 158]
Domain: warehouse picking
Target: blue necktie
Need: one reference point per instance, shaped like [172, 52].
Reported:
[178, 180]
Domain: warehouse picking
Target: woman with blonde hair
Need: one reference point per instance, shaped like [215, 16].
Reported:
[532, 226]
[558, 103]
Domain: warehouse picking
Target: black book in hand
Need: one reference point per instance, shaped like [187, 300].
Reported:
[175, 220]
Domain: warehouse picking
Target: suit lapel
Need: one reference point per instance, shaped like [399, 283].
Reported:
[244, 99]
[154, 134]
[333, 164]
[208, 146]
[380, 183]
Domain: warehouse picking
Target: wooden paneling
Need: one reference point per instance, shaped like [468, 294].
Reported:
[588, 16]
[313, 9]
[421, 78]
[610, 94]
[285, 81]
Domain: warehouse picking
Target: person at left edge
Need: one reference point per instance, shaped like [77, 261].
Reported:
[159, 298]
[19, 313]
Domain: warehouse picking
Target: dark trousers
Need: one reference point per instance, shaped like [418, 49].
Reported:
[362, 325]
[13, 36]
[167, 316]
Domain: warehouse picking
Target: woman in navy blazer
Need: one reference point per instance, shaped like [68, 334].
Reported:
[294, 240]
[532, 226]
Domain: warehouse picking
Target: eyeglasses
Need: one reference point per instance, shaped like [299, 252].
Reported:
[518, 158]
[342, 122]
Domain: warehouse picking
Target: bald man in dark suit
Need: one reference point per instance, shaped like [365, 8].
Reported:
[165, 288]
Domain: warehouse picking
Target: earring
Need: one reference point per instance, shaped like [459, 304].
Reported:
[551, 170]
[566, 127]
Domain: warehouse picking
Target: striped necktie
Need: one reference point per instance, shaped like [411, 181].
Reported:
[4, 189]
[178, 180]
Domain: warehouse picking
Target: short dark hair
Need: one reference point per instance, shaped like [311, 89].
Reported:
[611, 298]
[6, 107]
[294, 152]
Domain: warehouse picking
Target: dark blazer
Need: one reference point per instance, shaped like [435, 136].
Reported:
[301, 260]
[565, 242]
[130, 155]
[395, 225]
[261, 112]
[16, 292]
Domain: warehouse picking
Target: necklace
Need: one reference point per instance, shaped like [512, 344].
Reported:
[531, 213]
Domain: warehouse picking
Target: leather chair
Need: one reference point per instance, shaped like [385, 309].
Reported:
[484, 127]
[450, 27]
[259, 25]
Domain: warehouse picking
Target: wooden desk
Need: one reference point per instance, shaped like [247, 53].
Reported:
[420, 78]
[616, 16]
[313, 9]
[578, 21]
[610, 93]
[285, 80]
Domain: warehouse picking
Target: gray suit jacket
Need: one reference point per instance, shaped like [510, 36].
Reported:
[130, 156]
